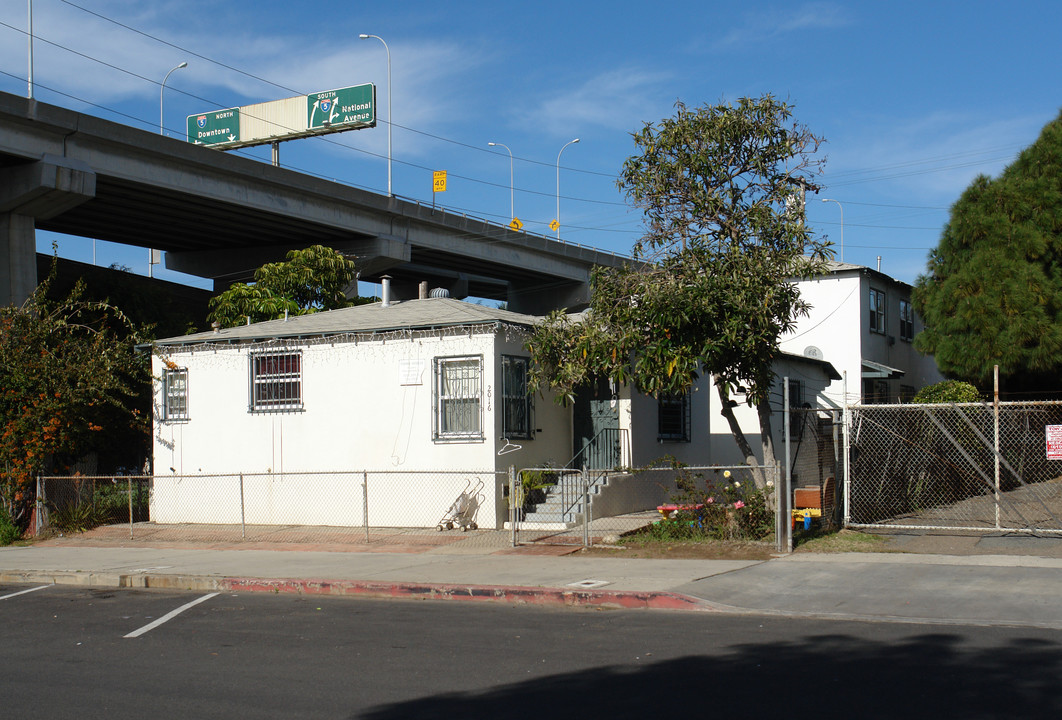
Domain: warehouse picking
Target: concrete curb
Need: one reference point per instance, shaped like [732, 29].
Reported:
[518, 595]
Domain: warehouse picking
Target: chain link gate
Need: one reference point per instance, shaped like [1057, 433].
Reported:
[960, 466]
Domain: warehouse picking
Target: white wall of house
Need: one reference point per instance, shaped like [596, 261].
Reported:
[839, 326]
[815, 389]
[367, 405]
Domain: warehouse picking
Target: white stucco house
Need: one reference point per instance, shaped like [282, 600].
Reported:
[433, 385]
[863, 322]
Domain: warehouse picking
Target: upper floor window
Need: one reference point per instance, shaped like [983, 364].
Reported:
[906, 320]
[276, 381]
[516, 402]
[458, 391]
[674, 417]
[175, 394]
[877, 311]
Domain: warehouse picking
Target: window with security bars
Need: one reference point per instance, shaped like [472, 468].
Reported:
[175, 394]
[673, 417]
[877, 311]
[276, 382]
[458, 392]
[906, 321]
[516, 402]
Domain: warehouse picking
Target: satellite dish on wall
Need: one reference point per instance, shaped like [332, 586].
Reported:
[812, 352]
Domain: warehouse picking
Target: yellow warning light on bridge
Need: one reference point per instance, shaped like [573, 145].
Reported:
[439, 181]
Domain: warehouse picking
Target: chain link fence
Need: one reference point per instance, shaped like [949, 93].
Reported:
[815, 463]
[343, 509]
[958, 467]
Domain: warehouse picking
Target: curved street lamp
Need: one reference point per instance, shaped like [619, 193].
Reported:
[162, 92]
[512, 211]
[390, 124]
[842, 223]
[570, 142]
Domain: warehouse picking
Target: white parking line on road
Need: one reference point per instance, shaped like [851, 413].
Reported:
[169, 616]
[23, 592]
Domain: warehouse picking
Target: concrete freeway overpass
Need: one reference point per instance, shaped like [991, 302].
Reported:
[220, 216]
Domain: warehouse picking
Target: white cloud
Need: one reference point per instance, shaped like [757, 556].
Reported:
[936, 155]
[770, 24]
[617, 100]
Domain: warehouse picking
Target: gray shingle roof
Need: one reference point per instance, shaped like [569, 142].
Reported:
[404, 315]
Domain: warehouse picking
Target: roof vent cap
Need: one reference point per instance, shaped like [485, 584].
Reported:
[439, 293]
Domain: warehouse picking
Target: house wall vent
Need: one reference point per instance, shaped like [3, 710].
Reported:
[439, 293]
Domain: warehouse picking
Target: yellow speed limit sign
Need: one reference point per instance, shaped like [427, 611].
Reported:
[439, 181]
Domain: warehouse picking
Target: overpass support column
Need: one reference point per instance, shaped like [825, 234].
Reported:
[18, 254]
[37, 190]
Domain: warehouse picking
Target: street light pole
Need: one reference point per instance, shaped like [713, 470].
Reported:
[29, 38]
[570, 142]
[390, 124]
[842, 223]
[162, 92]
[512, 206]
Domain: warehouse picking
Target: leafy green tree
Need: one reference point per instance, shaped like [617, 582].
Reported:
[68, 370]
[312, 279]
[712, 287]
[992, 294]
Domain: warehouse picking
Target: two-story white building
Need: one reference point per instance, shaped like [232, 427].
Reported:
[863, 322]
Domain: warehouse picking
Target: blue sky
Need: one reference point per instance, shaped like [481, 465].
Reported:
[914, 99]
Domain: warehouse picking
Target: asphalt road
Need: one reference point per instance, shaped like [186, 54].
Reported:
[68, 652]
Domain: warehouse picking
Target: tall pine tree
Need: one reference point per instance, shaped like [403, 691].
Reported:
[993, 291]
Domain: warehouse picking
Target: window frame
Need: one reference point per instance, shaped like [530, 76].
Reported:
[877, 311]
[666, 404]
[279, 377]
[169, 376]
[440, 400]
[906, 320]
[516, 401]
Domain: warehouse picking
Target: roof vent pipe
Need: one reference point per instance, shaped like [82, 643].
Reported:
[385, 282]
[422, 290]
[879, 263]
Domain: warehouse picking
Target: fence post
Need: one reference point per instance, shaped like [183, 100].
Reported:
[365, 503]
[39, 524]
[243, 517]
[784, 523]
[129, 481]
[586, 508]
[995, 412]
[513, 511]
[846, 420]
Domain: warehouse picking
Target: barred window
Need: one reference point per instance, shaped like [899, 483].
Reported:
[516, 402]
[276, 382]
[877, 311]
[673, 417]
[906, 320]
[175, 394]
[458, 391]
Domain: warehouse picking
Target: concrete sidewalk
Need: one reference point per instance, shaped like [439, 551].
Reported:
[983, 589]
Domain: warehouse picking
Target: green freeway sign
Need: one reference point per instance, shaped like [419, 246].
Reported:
[219, 127]
[346, 107]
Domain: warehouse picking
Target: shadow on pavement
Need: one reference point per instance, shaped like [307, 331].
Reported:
[931, 675]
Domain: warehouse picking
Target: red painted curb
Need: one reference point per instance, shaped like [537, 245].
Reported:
[630, 599]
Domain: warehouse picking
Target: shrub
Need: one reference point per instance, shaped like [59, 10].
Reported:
[948, 391]
[720, 511]
[9, 531]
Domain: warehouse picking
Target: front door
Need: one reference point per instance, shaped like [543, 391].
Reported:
[596, 424]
